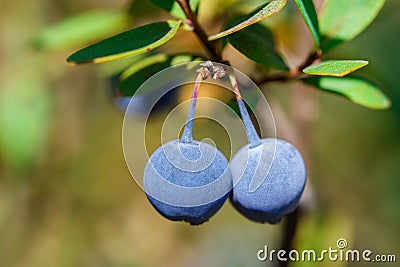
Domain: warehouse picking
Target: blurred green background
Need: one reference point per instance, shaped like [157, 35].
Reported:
[67, 198]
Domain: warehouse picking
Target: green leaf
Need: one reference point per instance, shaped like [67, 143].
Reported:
[133, 77]
[309, 14]
[260, 13]
[338, 68]
[256, 42]
[174, 8]
[26, 111]
[342, 20]
[126, 44]
[80, 29]
[357, 90]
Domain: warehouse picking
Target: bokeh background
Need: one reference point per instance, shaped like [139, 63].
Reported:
[66, 195]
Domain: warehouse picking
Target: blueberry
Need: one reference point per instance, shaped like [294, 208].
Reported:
[270, 180]
[187, 181]
[269, 175]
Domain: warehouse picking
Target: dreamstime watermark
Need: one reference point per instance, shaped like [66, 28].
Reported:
[339, 253]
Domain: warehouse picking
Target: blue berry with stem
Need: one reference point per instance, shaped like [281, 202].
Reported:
[269, 175]
[185, 179]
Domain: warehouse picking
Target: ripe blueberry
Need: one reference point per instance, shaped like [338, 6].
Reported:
[186, 179]
[269, 175]
[270, 180]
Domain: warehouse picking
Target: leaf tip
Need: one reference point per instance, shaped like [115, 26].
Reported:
[71, 62]
[74, 62]
[262, 12]
[386, 105]
[364, 62]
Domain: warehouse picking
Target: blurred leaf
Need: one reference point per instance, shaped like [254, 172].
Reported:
[309, 14]
[260, 13]
[133, 42]
[133, 77]
[357, 90]
[139, 9]
[174, 8]
[342, 20]
[329, 226]
[338, 68]
[25, 113]
[80, 29]
[256, 42]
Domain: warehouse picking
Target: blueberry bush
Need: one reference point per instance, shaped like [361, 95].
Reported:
[252, 36]
[335, 25]
[336, 22]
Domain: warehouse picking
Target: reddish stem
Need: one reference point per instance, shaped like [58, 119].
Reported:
[187, 136]
[254, 139]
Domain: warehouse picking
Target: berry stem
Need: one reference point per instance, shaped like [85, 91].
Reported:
[187, 136]
[254, 139]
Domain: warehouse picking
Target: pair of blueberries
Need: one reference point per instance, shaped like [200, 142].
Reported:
[189, 180]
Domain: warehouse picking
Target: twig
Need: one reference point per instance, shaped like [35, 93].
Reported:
[292, 74]
[289, 231]
[199, 31]
[214, 54]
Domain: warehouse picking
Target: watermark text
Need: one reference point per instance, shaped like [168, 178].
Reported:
[339, 253]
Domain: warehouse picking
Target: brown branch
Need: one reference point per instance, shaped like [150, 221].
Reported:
[289, 231]
[294, 73]
[313, 58]
[199, 31]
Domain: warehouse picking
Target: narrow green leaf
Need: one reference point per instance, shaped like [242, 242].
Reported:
[260, 13]
[342, 20]
[133, 77]
[357, 90]
[256, 42]
[133, 42]
[80, 29]
[173, 7]
[338, 68]
[309, 14]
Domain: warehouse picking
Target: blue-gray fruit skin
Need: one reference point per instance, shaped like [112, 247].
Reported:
[184, 165]
[157, 100]
[269, 180]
